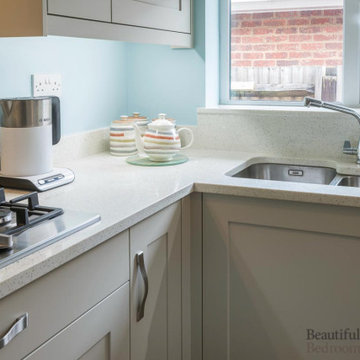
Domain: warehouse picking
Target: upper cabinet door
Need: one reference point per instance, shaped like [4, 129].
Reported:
[85, 9]
[171, 15]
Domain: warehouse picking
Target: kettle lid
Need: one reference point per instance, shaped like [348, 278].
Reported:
[28, 98]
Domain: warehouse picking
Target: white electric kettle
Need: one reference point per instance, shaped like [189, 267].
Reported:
[29, 127]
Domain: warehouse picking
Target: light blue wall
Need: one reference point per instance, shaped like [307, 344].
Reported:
[105, 79]
[168, 80]
[93, 75]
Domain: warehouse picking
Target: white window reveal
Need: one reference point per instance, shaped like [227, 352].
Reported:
[275, 51]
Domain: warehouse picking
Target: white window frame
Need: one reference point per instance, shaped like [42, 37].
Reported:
[351, 60]
[281, 5]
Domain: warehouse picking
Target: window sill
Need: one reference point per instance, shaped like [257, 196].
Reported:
[238, 109]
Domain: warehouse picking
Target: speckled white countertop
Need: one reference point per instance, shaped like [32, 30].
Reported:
[124, 194]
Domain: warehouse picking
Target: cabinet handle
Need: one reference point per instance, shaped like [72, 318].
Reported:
[140, 261]
[19, 325]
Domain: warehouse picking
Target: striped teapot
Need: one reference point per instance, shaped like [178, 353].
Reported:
[161, 141]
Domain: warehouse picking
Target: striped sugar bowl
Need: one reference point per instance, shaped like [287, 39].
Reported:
[161, 141]
[122, 137]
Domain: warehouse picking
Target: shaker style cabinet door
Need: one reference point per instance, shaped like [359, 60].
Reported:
[171, 15]
[155, 286]
[84, 9]
[102, 333]
[276, 273]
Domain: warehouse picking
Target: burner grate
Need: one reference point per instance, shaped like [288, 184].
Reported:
[28, 214]
[35, 226]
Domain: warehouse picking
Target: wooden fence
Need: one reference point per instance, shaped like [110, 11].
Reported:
[290, 83]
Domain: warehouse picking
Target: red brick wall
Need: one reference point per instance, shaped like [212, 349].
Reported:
[308, 38]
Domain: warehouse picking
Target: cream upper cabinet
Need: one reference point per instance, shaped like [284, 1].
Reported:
[166, 22]
[171, 15]
[84, 9]
[156, 287]
[276, 273]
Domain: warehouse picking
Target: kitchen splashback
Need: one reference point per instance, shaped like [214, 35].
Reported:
[298, 132]
[79, 145]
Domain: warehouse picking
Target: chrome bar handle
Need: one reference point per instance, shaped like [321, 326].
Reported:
[140, 261]
[19, 325]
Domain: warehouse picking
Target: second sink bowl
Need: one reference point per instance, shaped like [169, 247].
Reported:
[285, 172]
[296, 173]
[348, 180]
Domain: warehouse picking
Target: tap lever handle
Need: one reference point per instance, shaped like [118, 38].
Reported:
[347, 144]
[348, 150]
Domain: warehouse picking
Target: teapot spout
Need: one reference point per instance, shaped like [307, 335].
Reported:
[139, 140]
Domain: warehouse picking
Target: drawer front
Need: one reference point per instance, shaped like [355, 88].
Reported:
[102, 333]
[60, 297]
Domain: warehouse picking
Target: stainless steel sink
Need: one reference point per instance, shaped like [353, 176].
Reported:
[349, 180]
[285, 172]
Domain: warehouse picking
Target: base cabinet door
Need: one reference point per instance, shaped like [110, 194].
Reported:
[171, 15]
[281, 280]
[155, 286]
[102, 333]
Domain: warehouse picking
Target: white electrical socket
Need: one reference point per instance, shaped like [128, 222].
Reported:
[46, 84]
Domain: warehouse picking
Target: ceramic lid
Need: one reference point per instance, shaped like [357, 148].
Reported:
[162, 116]
[124, 119]
[136, 117]
[161, 124]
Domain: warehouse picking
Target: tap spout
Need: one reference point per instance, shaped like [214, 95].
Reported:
[308, 101]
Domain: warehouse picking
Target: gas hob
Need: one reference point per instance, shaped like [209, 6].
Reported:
[25, 226]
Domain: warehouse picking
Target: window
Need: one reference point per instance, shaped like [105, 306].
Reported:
[283, 50]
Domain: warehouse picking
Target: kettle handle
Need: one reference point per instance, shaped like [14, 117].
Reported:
[56, 125]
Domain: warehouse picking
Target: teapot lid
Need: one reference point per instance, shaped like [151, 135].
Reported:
[162, 123]
[162, 116]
